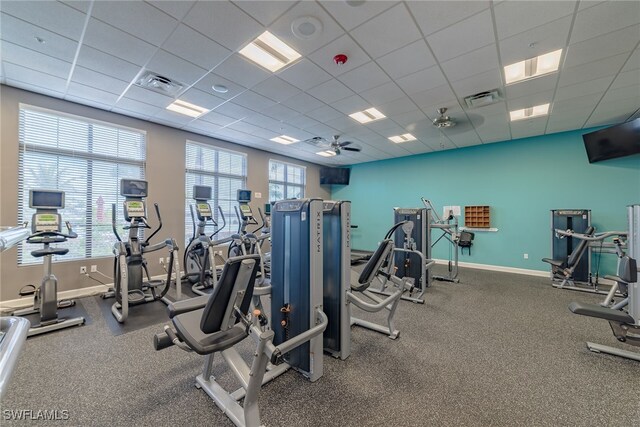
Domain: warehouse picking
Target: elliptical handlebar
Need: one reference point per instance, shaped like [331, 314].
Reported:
[113, 222]
[224, 223]
[157, 208]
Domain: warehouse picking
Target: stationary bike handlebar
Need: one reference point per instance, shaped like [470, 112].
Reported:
[52, 236]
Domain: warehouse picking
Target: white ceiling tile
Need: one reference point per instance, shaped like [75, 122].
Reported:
[263, 121]
[397, 107]
[463, 37]
[584, 4]
[245, 127]
[351, 16]
[207, 82]
[588, 87]
[216, 118]
[564, 122]
[377, 43]
[88, 102]
[532, 86]
[469, 64]
[531, 100]
[343, 124]
[89, 93]
[495, 134]
[487, 113]
[422, 80]
[536, 41]
[81, 5]
[342, 45]
[234, 110]
[433, 97]
[117, 43]
[567, 106]
[303, 122]
[129, 113]
[279, 112]
[175, 8]
[410, 119]
[107, 64]
[330, 91]
[171, 118]
[132, 105]
[253, 101]
[385, 128]
[614, 112]
[242, 72]
[202, 99]
[322, 130]
[592, 70]
[282, 27]
[465, 139]
[264, 12]
[138, 18]
[202, 127]
[513, 17]
[623, 93]
[97, 80]
[364, 77]
[351, 105]
[627, 79]
[634, 61]
[264, 134]
[324, 114]
[28, 76]
[175, 68]
[433, 16]
[411, 58]
[304, 74]
[481, 82]
[275, 88]
[527, 128]
[24, 34]
[303, 103]
[28, 58]
[223, 23]
[610, 44]
[53, 16]
[194, 47]
[384, 93]
[148, 96]
[604, 18]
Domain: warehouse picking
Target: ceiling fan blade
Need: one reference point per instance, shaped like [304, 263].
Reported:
[345, 143]
[352, 149]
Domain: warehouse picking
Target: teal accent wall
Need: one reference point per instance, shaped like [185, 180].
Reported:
[521, 180]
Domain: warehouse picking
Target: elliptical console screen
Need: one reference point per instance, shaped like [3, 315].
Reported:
[244, 196]
[246, 211]
[46, 199]
[134, 208]
[204, 210]
[46, 222]
[133, 188]
[201, 192]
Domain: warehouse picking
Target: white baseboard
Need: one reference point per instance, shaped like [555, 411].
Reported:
[16, 304]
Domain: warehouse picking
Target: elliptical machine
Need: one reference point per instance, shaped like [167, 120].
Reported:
[46, 229]
[199, 258]
[130, 288]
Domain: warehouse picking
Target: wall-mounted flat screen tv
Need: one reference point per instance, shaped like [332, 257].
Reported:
[617, 141]
[337, 176]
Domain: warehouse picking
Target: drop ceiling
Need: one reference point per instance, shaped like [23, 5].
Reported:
[404, 58]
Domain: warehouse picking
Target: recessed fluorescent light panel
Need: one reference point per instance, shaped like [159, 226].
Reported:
[284, 139]
[529, 113]
[326, 153]
[186, 108]
[399, 139]
[533, 67]
[367, 116]
[269, 52]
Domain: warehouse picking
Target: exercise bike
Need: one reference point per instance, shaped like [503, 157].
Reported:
[130, 266]
[45, 228]
[199, 258]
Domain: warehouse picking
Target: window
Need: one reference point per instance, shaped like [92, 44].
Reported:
[84, 158]
[286, 181]
[222, 170]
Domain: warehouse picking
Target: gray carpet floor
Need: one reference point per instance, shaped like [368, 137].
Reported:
[496, 349]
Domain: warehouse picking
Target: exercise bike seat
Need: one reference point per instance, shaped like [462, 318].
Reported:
[594, 310]
[49, 251]
[188, 328]
[560, 263]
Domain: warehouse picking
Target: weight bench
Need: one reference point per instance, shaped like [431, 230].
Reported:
[622, 324]
[563, 269]
[216, 323]
[378, 265]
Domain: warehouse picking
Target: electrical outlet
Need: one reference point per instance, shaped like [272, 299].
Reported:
[526, 256]
[83, 270]
[94, 268]
[160, 260]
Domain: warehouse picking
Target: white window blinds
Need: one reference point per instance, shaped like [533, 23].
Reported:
[84, 158]
[222, 170]
[286, 181]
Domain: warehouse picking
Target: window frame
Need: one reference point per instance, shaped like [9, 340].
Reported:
[286, 183]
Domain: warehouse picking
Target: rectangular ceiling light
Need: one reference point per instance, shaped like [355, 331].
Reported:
[529, 113]
[269, 52]
[533, 67]
[327, 153]
[187, 108]
[368, 115]
[398, 139]
[284, 139]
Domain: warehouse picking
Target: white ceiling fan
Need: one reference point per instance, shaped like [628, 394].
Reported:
[333, 145]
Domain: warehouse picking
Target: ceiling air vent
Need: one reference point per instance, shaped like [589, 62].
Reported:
[483, 98]
[157, 83]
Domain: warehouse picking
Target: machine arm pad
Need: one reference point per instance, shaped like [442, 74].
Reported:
[598, 311]
[185, 306]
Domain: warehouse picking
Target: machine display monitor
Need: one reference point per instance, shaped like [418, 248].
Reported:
[134, 209]
[46, 199]
[133, 188]
[204, 210]
[244, 196]
[267, 208]
[246, 210]
[46, 222]
[201, 192]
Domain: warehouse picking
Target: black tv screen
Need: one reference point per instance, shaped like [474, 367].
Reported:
[616, 141]
[338, 176]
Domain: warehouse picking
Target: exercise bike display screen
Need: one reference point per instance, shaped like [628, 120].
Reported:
[246, 211]
[133, 188]
[134, 209]
[46, 222]
[46, 199]
[204, 209]
[201, 192]
[244, 196]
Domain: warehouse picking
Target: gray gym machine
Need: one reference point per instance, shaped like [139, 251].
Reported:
[340, 295]
[215, 324]
[46, 229]
[200, 258]
[13, 330]
[130, 264]
[625, 318]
